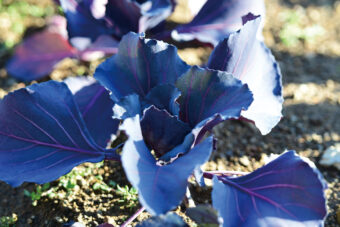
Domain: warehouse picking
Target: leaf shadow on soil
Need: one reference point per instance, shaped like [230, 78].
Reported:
[313, 68]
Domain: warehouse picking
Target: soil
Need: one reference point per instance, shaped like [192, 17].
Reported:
[310, 64]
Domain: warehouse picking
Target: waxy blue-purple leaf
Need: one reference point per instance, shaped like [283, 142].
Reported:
[82, 25]
[250, 61]
[127, 106]
[42, 135]
[104, 45]
[139, 67]
[88, 19]
[164, 96]
[217, 19]
[161, 131]
[154, 12]
[137, 16]
[125, 16]
[286, 192]
[161, 188]
[95, 106]
[207, 93]
[38, 54]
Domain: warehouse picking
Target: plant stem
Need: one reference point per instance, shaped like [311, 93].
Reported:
[112, 157]
[189, 200]
[133, 217]
[110, 154]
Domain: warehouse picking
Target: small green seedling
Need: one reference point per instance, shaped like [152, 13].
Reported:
[293, 29]
[37, 194]
[129, 195]
[101, 185]
[7, 221]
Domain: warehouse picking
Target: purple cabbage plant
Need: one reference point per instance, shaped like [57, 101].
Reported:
[167, 109]
[93, 29]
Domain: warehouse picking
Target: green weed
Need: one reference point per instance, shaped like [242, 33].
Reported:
[70, 183]
[294, 30]
[7, 221]
[130, 195]
[16, 16]
[37, 194]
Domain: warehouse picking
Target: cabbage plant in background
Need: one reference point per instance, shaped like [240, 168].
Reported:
[167, 110]
[93, 29]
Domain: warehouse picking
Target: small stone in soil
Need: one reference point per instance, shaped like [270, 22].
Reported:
[331, 156]
[110, 220]
[59, 219]
[245, 161]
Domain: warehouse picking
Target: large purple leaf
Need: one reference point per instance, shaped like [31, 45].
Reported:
[140, 65]
[43, 135]
[154, 12]
[104, 45]
[207, 93]
[217, 19]
[88, 19]
[137, 16]
[37, 55]
[127, 106]
[84, 21]
[95, 106]
[164, 96]
[286, 192]
[161, 187]
[250, 61]
[124, 16]
[161, 131]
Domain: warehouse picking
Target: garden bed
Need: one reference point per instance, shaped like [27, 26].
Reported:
[310, 64]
